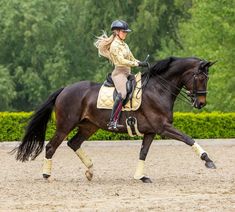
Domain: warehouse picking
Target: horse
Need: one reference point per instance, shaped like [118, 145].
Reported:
[75, 107]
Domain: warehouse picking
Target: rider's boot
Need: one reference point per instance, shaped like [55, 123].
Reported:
[115, 114]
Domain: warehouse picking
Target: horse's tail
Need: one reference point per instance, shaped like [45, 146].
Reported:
[34, 137]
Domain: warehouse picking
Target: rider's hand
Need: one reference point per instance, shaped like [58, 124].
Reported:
[143, 64]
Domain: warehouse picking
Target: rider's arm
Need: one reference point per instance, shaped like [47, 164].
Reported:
[116, 53]
[132, 58]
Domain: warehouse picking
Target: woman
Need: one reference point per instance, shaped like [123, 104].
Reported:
[117, 51]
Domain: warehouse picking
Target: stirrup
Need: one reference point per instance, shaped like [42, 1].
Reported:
[113, 125]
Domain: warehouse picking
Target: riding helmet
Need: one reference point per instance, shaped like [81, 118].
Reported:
[120, 24]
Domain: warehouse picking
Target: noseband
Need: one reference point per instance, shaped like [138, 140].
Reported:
[195, 92]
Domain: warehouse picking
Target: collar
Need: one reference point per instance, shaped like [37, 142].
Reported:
[117, 39]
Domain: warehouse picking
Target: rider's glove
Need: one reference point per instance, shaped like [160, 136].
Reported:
[143, 64]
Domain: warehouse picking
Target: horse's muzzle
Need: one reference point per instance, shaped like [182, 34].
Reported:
[199, 102]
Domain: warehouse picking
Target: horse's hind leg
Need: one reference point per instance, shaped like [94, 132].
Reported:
[50, 150]
[84, 132]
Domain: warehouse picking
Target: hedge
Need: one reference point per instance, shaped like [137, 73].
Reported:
[200, 125]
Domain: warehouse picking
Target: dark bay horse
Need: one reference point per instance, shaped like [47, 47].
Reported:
[75, 107]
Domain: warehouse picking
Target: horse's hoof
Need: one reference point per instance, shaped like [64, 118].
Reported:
[89, 175]
[146, 180]
[210, 165]
[46, 176]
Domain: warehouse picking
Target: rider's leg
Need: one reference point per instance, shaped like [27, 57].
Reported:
[115, 114]
[120, 81]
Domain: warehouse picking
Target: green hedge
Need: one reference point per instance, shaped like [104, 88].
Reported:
[200, 125]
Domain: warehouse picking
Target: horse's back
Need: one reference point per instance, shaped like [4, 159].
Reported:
[82, 85]
[72, 96]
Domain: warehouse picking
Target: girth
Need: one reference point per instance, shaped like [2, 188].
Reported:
[130, 87]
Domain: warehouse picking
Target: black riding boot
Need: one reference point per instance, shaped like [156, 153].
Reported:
[115, 114]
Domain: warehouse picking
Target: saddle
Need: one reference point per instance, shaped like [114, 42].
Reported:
[130, 87]
[107, 94]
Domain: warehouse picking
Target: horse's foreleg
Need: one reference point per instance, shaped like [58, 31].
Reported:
[171, 132]
[75, 143]
[50, 150]
[139, 173]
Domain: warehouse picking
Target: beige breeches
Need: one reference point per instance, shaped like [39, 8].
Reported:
[119, 77]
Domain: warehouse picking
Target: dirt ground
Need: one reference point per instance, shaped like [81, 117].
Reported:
[181, 182]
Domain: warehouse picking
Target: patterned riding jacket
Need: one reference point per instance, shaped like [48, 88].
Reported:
[121, 54]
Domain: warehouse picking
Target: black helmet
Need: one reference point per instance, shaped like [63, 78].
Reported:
[119, 24]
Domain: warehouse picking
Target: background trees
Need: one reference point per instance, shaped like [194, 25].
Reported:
[45, 45]
[210, 34]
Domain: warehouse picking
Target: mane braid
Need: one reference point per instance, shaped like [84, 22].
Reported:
[161, 66]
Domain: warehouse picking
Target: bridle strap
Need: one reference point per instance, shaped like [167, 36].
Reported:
[196, 92]
[182, 95]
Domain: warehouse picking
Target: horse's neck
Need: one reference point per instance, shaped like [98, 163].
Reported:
[174, 77]
[170, 83]
[162, 92]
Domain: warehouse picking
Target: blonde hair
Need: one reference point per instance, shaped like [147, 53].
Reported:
[103, 44]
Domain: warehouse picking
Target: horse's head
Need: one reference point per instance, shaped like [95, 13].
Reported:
[196, 83]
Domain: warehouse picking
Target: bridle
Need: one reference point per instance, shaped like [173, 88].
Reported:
[195, 92]
[190, 97]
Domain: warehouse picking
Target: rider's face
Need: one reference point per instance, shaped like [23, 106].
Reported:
[122, 34]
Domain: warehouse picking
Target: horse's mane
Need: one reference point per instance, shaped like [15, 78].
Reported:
[161, 65]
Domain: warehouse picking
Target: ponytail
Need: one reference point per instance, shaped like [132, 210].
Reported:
[103, 44]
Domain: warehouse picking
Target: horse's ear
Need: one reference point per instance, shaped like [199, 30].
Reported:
[212, 63]
[205, 64]
[208, 64]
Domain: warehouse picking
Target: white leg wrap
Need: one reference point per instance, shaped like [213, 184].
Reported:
[84, 158]
[139, 173]
[198, 149]
[47, 165]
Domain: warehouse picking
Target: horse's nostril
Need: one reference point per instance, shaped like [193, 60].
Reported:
[202, 104]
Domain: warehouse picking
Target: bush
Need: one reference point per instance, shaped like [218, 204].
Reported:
[201, 125]
[206, 125]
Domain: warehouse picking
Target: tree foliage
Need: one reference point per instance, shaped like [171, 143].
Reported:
[49, 44]
[210, 34]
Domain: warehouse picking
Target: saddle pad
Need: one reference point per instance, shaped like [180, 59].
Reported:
[105, 97]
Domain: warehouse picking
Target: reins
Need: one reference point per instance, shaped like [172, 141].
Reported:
[183, 95]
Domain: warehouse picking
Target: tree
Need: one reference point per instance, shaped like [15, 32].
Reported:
[210, 34]
[157, 23]
[36, 47]
[7, 89]
[49, 44]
